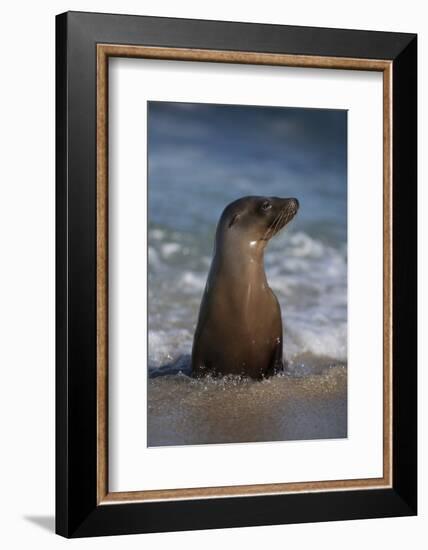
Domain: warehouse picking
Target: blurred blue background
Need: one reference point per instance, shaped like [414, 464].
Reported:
[203, 156]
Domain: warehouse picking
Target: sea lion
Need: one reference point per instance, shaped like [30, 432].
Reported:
[239, 329]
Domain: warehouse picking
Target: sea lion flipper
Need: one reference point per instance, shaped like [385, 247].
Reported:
[276, 364]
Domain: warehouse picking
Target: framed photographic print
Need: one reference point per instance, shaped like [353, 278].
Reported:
[236, 274]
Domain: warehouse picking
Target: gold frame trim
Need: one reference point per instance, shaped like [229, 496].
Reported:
[104, 51]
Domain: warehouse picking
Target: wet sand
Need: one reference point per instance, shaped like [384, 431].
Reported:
[185, 411]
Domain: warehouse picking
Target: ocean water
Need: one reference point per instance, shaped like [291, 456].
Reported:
[200, 159]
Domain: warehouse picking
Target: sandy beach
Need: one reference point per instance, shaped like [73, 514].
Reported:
[185, 411]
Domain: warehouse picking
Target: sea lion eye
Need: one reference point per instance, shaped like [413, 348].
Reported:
[266, 205]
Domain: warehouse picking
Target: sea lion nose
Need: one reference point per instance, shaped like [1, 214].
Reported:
[294, 203]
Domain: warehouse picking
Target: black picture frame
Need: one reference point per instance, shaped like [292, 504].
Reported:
[77, 511]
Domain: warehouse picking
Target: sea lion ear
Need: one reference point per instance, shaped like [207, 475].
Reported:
[233, 220]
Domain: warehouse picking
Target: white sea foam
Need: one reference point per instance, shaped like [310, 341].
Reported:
[157, 234]
[302, 246]
[166, 345]
[194, 281]
[169, 249]
[323, 341]
[308, 276]
[154, 260]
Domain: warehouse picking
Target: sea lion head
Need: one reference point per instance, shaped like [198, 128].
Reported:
[256, 219]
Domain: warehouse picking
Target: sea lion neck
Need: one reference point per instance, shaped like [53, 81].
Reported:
[243, 258]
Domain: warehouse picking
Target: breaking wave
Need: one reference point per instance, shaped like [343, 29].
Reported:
[308, 275]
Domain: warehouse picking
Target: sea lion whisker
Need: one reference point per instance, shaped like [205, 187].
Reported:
[279, 221]
[266, 233]
[272, 224]
[270, 230]
[288, 214]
